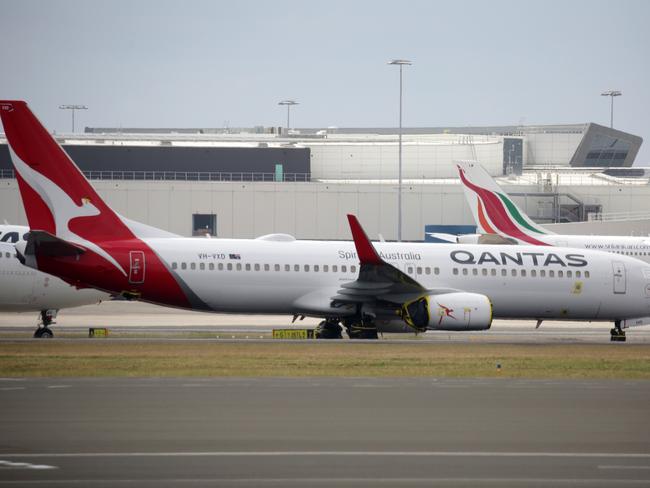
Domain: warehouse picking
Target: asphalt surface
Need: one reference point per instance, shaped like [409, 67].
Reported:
[323, 432]
[137, 318]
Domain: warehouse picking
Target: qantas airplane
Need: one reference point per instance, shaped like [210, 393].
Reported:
[24, 289]
[13, 233]
[495, 213]
[366, 287]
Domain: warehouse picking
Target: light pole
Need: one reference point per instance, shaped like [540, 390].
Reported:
[400, 63]
[288, 103]
[611, 94]
[72, 108]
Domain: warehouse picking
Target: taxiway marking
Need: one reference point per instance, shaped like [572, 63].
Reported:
[620, 455]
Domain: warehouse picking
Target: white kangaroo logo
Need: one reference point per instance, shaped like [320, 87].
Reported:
[63, 208]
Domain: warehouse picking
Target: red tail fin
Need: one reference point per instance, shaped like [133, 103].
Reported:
[365, 250]
[83, 240]
[57, 197]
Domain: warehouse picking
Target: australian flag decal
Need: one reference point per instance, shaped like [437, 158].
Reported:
[235, 256]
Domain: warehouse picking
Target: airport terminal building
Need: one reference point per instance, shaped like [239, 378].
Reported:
[249, 182]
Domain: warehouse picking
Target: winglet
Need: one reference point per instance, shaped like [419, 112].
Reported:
[365, 250]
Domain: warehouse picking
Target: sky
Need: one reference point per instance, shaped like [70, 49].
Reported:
[153, 63]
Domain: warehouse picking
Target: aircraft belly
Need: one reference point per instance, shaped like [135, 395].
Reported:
[28, 291]
[561, 303]
[239, 295]
[250, 299]
[58, 294]
[15, 288]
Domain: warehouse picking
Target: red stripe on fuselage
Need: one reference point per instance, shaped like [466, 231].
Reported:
[90, 268]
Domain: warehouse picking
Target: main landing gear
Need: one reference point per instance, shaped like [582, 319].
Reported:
[46, 318]
[364, 329]
[617, 334]
[359, 327]
[328, 329]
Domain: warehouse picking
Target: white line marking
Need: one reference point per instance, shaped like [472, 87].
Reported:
[631, 455]
[330, 481]
[12, 465]
[622, 466]
[12, 388]
[60, 386]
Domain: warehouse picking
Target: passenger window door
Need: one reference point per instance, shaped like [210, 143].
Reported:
[620, 281]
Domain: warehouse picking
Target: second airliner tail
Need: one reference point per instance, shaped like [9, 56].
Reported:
[493, 210]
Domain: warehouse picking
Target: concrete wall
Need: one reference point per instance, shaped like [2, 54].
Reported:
[419, 160]
[550, 149]
[639, 227]
[309, 210]
[306, 210]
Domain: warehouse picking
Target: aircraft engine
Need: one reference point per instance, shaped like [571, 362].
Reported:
[449, 311]
[468, 238]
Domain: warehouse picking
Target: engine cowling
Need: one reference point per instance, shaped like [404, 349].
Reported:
[484, 239]
[468, 238]
[449, 311]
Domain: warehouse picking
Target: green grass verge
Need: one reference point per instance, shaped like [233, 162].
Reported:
[97, 358]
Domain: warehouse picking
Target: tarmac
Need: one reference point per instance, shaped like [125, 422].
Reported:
[348, 432]
[129, 318]
[342, 432]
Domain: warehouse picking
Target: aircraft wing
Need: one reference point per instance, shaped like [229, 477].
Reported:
[378, 280]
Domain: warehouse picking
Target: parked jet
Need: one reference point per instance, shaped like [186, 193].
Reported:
[496, 214]
[23, 289]
[367, 287]
[13, 233]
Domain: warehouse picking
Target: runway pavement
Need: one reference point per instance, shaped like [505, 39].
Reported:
[323, 432]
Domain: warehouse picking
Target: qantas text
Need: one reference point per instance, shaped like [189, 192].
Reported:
[519, 258]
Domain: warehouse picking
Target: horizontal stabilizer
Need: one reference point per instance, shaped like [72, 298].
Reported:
[41, 243]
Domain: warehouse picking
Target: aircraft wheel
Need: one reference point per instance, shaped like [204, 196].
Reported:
[328, 330]
[366, 334]
[362, 333]
[43, 333]
[617, 335]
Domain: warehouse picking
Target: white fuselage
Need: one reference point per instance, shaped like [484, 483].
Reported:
[638, 247]
[24, 289]
[259, 276]
[10, 234]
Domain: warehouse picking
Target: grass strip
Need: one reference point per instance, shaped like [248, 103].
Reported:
[136, 359]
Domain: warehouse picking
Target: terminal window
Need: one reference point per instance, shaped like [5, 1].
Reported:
[204, 224]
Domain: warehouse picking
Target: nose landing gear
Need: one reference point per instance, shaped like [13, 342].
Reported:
[617, 334]
[46, 319]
